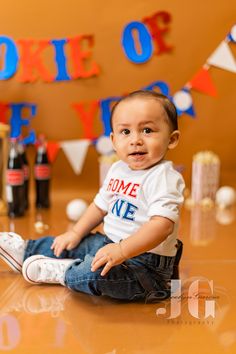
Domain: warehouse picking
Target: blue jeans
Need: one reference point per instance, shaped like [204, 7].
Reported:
[145, 277]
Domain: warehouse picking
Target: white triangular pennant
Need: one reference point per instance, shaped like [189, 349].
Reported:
[223, 58]
[75, 151]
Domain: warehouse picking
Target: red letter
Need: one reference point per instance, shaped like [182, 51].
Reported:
[123, 188]
[157, 32]
[3, 112]
[133, 191]
[79, 57]
[33, 60]
[115, 185]
[87, 117]
[110, 184]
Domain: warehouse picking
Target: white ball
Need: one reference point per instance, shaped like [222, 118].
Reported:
[225, 196]
[75, 208]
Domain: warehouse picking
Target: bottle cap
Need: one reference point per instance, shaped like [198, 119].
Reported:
[41, 141]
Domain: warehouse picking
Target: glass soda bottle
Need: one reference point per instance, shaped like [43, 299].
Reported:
[21, 149]
[42, 174]
[15, 181]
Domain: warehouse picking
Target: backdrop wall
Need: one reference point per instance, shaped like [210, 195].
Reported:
[195, 30]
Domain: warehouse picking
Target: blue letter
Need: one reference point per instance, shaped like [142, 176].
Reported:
[130, 210]
[145, 40]
[11, 58]
[164, 88]
[106, 113]
[60, 58]
[117, 207]
[17, 121]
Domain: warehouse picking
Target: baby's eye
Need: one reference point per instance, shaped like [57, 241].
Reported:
[147, 130]
[125, 131]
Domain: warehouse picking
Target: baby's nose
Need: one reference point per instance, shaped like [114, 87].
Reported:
[136, 139]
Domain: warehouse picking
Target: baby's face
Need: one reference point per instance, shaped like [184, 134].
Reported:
[141, 132]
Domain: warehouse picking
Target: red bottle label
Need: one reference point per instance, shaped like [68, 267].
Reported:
[42, 171]
[15, 177]
[26, 172]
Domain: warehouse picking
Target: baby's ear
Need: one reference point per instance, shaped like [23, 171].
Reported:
[174, 139]
[112, 140]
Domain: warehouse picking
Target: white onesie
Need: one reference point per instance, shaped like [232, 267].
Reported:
[132, 197]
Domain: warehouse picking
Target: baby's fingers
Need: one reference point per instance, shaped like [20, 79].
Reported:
[106, 269]
[58, 248]
[71, 245]
[98, 263]
[55, 242]
[53, 245]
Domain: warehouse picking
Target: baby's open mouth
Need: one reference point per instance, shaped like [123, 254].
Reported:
[137, 153]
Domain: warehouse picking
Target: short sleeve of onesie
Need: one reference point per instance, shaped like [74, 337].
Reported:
[164, 193]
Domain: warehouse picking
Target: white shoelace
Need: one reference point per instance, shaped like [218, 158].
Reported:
[51, 272]
[14, 242]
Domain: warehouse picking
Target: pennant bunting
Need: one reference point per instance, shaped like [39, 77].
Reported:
[183, 102]
[202, 82]
[52, 150]
[223, 58]
[76, 151]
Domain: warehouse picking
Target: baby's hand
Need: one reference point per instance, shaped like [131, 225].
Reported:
[110, 255]
[68, 241]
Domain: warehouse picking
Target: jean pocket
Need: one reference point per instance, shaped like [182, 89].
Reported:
[138, 296]
[157, 296]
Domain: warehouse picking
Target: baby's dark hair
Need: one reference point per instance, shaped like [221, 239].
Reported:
[168, 106]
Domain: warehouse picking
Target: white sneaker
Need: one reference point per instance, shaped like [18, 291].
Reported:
[12, 250]
[40, 269]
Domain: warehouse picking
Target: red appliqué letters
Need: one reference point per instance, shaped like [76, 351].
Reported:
[117, 185]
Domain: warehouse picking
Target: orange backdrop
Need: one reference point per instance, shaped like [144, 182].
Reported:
[196, 29]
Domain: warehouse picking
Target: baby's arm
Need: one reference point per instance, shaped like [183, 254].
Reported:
[92, 217]
[150, 235]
